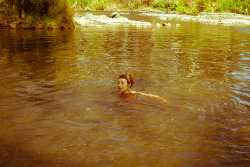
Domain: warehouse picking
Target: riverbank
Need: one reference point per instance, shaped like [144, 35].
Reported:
[58, 14]
[19, 14]
[191, 6]
[27, 24]
[65, 20]
[100, 20]
[229, 19]
[207, 18]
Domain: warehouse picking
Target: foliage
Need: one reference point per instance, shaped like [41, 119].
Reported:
[38, 13]
[236, 6]
[59, 13]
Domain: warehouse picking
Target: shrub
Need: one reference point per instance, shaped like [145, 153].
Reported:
[37, 12]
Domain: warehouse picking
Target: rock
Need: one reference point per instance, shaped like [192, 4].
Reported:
[12, 25]
[208, 18]
[158, 24]
[115, 15]
[166, 24]
[90, 19]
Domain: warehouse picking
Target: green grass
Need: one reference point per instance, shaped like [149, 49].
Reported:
[59, 13]
[234, 6]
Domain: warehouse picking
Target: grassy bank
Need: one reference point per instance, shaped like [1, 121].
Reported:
[233, 6]
[59, 13]
[35, 14]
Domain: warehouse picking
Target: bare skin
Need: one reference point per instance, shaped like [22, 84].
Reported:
[124, 88]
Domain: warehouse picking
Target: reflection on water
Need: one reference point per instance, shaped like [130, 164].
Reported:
[60, 106]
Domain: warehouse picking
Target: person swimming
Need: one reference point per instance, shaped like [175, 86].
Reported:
[126, 81]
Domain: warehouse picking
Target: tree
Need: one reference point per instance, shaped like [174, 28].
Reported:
[54, 13]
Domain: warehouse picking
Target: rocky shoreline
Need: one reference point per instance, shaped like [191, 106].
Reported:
[90, 19]
[207, 18]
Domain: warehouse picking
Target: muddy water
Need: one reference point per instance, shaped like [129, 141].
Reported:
[60, 106]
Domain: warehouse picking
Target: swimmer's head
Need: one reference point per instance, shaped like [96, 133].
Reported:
[125, 82]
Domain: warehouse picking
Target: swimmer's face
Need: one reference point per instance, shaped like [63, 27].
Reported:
[123, 85]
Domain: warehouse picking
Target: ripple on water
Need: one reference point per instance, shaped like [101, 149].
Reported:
[59, 105]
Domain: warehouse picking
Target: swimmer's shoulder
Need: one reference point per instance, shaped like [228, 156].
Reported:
[135, 92]
[150, 95]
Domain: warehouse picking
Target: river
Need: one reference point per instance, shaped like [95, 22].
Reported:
[60, 105]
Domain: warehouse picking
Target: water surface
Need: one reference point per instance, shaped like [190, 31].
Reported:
[60, 105]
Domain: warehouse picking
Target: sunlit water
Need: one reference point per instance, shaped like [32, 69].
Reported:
[60, 105]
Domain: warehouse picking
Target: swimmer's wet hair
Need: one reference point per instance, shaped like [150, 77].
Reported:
[129, 77]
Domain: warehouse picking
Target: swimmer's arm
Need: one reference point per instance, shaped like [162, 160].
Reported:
[150, 95]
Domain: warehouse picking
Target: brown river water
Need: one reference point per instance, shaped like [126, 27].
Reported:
[60, 106]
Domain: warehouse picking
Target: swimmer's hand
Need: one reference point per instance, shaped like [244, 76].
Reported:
[150, 95]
